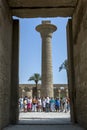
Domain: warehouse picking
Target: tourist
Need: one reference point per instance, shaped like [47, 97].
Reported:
[29, 104]
[44, 104]
[34, 104]
[47, 104]
[39, 105]
[21, 104]
[61, 105]
[65, 104]
[25, 103]
[57, 104]
[52, 105]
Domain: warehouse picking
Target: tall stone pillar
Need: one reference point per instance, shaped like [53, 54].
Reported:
[38, 93]
[67, 95]
[46, 29]
[59, 92]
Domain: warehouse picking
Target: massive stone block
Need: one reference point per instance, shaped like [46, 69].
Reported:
[5, 62]
[42, 8]
[80, 60]
[77, 9]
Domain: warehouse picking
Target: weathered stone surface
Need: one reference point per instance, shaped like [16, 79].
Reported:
[52, 12]
[46, 29]
[77, 9]
[56, 87]
[42, 8]
[71, 73]
[41, 3]
[5, 62]
[80, 60]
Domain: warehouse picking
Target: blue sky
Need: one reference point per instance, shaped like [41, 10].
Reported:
[31, 47]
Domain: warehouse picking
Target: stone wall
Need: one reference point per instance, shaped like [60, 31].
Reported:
[53, 8]
[79, 22]
[80, 60]
[71, 73]
[5, 62]
[27, 90]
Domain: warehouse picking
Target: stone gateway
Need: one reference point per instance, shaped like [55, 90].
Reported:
[76, 10]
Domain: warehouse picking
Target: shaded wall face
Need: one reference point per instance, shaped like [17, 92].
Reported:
[5, 62]
[80, 60]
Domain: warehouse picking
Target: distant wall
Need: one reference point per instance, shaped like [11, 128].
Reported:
[25, 89]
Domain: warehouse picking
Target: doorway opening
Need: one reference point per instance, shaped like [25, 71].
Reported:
[30, 63]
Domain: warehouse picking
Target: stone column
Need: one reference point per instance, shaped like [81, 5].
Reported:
[38, 93]
[59, 93]
[67, 93]
[46, 29]
[31, 93]
[23, 93]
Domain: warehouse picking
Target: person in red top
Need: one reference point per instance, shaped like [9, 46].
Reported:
[29, 104]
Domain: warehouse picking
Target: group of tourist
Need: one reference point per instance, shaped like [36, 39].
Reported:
[45, 104]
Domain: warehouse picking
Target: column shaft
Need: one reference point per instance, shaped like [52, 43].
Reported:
[46, 29]
[47, 74]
